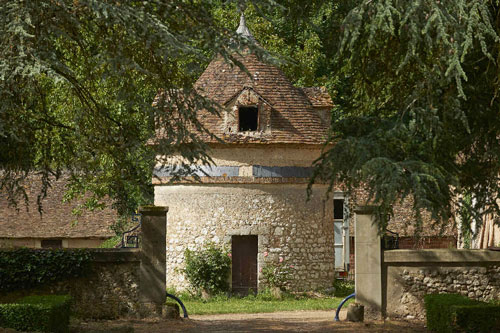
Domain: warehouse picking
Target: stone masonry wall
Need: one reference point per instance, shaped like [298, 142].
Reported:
[286, 225]
[475, 274]
[109, 290]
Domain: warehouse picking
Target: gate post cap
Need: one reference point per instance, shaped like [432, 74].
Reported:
[153, 209]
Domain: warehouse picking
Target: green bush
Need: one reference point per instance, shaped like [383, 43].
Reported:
[477, 318]
[27, 268]
[37, 313]
[452, 312]
[343, 288]
[439, 310]
[111, 243]
[208, 269]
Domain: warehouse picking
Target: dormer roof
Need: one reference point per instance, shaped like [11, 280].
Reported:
[293, 119]
[287, 114]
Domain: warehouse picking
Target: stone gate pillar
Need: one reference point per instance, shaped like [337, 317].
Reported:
[153, 258]
[368, 262]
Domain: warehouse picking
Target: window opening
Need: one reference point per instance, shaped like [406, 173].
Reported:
[248, 118]
[338, 209]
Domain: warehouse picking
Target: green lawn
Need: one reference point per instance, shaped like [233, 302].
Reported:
[258, 304]
[264, 301]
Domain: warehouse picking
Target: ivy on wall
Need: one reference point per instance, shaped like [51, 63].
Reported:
[28, 268]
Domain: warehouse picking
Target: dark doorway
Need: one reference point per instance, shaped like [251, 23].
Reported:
[244, 276]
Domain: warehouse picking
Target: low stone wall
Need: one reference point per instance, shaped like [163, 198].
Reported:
[121, 282]
[110, 289]
[408, 275]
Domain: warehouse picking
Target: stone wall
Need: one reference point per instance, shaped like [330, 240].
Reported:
[111, 290]
[287, 226]
[276, 155]
[411, 274]
[121, 282]
[108, 290]
[237, 200]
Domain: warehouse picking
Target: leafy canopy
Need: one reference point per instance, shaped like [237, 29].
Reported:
[77, 82]
[417, 111]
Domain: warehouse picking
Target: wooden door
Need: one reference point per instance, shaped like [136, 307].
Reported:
[244, 273]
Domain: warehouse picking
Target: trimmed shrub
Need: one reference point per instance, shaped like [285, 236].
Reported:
[453, 312]
[208, 269]
[477, 318]
[439, 312]
[37, 313]
[28, 268]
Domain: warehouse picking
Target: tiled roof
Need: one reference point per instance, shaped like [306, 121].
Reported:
[293, 117]
[57, 218]
[318, 96]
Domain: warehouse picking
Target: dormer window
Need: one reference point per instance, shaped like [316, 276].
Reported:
[248, 118]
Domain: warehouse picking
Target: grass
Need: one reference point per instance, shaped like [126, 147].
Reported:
[262, 302]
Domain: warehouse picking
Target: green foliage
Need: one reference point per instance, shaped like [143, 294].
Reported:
[78, 78]
[466, 221]
[451, 312]
[417, 113]
[291, 31]
[343, 288]
[27, 268]
[37, 313]
[77, 83]
[278, 274]
[208, 269]
[439, 310]
[111, 242]
[477, 318]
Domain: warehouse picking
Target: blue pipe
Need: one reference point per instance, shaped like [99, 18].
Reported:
[181, 304]
[341, 304]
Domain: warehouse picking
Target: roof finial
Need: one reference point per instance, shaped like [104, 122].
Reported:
[243, 29]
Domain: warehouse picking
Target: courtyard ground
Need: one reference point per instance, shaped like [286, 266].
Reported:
[287, 321]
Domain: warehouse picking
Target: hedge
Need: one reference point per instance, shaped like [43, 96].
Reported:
[478, 318]
[23, 268]
[453, 312]
[37, 313]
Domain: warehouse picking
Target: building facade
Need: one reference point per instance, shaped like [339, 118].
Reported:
[254, 198]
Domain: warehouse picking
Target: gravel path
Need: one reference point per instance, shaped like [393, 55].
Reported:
[289, 321]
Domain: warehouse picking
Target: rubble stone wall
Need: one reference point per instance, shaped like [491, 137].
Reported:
[287, 226]
[411, 274]
[109, 289]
